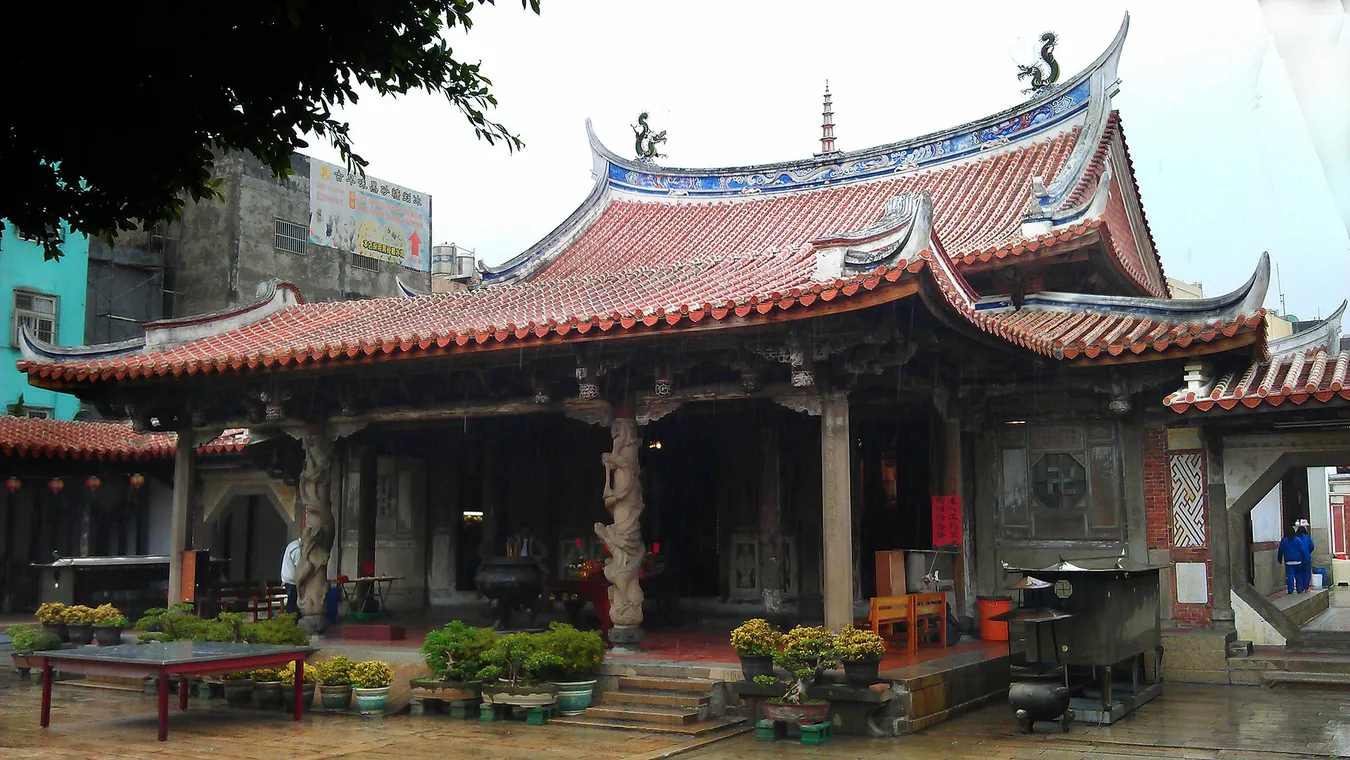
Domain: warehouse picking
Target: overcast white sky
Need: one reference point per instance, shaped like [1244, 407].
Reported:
[1222, 152]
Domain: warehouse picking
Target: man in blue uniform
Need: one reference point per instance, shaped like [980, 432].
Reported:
[1292, 555]
[1306, 539]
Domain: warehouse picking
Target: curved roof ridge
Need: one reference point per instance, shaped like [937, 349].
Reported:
[1325, 334]
[1245, 301]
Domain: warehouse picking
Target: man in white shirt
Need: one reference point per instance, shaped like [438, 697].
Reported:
[289, 559]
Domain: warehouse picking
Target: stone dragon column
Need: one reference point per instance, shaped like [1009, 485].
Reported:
[623, 500]
[318, 531]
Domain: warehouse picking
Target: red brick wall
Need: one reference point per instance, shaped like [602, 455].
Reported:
[1157, 496]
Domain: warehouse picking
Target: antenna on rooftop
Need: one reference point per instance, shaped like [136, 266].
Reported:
[1279, 284]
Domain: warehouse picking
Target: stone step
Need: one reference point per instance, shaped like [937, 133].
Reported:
[1239, 649]
[652, 714]
[666, 699]
[649, 683]
[713, 727]
[1314, 679]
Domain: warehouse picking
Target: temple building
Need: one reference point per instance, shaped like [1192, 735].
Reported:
[782, 366]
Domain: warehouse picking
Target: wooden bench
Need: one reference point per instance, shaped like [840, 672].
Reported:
[261, 599]
[919, 614]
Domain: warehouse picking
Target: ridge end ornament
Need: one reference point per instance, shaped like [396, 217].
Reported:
[1044, 73]
[645, 140]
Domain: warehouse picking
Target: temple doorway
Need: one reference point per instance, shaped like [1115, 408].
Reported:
[250, 538]
[894, 483]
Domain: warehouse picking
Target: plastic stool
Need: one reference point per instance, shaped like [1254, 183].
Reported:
[817, 733]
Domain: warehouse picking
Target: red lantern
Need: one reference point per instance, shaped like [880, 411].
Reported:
[137, 480]
[56, 484]
[92, 482]
[13, 484]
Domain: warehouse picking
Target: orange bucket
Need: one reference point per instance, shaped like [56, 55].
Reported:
[989, 606]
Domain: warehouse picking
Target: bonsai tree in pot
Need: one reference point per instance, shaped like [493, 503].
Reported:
[756, 643]
[370, 684]
[580, 654]
[267, 686]
[108, 624]
[79, 624]
[27, 639]
[52, 616]
[456, 653]
[335, 682]
[860, 651]
[807, 651]
[516, 661]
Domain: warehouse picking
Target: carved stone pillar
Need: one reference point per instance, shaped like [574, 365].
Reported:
[317, 528]
[184, 473]
[623, 500]
[837, 509]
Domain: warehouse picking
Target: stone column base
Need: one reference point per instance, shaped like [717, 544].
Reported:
[625, 638]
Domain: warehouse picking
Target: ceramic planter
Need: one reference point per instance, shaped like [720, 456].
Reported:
[574, 696]
[108, 635]
[239, 691]
[756, 665]
[335, 697]
[288, 695]
[80, 633]
[521, 696]
[59, 629]
[268, 693]
[371, 701]
[802, 715]
[862, 672]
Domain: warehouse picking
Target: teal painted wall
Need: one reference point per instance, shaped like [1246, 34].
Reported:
[22, 267]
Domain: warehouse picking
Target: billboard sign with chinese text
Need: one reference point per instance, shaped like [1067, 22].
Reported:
[369, 216]
[946, 521]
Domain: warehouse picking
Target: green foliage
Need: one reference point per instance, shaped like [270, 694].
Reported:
[106, 615]
[372, 674]
[30, 638]
[765, 680]
[455, 653]
[150, 620]
[518, 658]
[180, 625]
[192, 103]
[151, 638]
[334, 672]
[240, 675]
[756, 638]
[807, 650]
[281, 630]
[265, 674]
[579, 653]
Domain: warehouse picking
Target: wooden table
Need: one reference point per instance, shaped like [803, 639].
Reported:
[379, 589]
[178, 658]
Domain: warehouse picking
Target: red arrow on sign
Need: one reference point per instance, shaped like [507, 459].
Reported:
[416, 243]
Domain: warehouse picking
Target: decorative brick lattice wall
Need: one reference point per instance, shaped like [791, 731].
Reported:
[1188, 499]
[1157, 506]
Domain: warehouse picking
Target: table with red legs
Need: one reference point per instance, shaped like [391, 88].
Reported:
[178, 658]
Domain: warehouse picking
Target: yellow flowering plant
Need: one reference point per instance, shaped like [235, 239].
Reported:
[51, 613]
[756, 638]
[854, 644]
[372, 674]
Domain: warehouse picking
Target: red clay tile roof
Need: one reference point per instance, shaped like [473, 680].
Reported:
[116, 441]
[1318, 376]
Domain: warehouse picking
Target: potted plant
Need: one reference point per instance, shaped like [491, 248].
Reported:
[756, 642]
[579, 654]
[267, 687]
[238, 687]
[860, 651]
[370, 684]
[807, 651]
[287, 677]
[79, 624]
[455, 655]
[27, 639]
[52, 615]
[335, 683]
[108, 624]
[516, 661]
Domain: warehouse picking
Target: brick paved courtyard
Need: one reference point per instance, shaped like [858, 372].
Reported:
[1188, 722]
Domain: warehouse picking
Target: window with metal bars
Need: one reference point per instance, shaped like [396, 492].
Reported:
[368, 263]
[37, 312]
[290, 236]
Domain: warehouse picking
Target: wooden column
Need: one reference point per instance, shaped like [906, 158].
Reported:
[184, 473]
[953, 485]
[770, 521]
[365, 509]
[836, 509]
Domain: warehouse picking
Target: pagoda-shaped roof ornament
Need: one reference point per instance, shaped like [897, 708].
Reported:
[827, 126]
[1044, 74]
[645, 140]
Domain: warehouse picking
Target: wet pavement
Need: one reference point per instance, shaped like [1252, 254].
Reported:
[1219, 723]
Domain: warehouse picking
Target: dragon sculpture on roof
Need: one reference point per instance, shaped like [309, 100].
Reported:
[1045, 72]
[645, 141]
